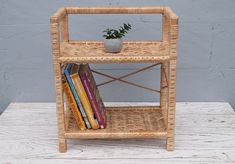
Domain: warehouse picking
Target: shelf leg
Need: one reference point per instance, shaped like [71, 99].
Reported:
[170, 141]
[62, 145]
[163, 92]
[60, 108]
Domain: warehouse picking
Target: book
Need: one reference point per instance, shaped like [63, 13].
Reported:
[73, 106]
[67, 71]
[83, 96]
[93, 94]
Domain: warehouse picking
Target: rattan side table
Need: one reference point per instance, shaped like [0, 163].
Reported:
[122, 121]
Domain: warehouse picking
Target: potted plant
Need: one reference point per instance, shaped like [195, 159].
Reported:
[113, 38]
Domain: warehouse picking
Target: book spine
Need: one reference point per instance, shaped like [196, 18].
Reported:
[84, 100]
[67, 75]
[73, 106]
[95, 91]
[92, 99]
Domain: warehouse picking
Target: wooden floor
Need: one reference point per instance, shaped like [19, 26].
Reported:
[205, 133]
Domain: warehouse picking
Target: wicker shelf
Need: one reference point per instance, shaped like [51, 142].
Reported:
[93, 51]
[122, 122]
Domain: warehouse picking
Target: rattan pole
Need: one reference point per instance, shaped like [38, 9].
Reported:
[163, 92]
[164, 83]
[55, 42]
[60, 108]
[165, 29]
[170, 15]
[171, 107]
[60, 13]
[115, 10]
[172, 86]
[64, 29]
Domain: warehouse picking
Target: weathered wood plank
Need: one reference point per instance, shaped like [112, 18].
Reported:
[99, 151]
[104, 161]
[205, 133]
[196, 121]
[183, 107]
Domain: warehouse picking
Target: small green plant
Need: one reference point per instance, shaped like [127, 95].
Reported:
[114, 34]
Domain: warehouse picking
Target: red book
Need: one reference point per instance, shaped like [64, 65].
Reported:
[93, 95]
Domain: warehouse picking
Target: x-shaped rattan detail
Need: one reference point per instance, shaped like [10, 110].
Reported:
[129, 74]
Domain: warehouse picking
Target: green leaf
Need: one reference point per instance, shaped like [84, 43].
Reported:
[117, 33]
[125, 26]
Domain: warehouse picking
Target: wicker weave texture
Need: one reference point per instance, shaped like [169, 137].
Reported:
[165, 52]
[138, 122]
[93, 52]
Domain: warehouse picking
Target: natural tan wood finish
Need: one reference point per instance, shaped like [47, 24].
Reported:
[163, 91]
[132, 52]
[123, 122]
[115, 10]
[64, 29]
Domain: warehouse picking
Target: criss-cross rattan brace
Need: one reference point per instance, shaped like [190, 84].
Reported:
[124, 81]
[129, 74]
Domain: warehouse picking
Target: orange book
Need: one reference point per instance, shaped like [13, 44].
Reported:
[76, 113]
[83, 96]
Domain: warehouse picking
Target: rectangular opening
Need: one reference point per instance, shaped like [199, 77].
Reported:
[122, 118]
[90, 27]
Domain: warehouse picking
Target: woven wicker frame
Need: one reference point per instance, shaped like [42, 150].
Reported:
[143, 122]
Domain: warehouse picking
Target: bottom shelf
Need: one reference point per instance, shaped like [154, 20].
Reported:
[124, 122]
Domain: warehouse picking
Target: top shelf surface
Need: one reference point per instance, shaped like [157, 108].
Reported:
[132, 51]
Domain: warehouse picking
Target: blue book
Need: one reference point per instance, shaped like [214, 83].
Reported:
[71, 85]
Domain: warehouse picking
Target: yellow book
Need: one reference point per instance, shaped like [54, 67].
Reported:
[74, 108]
[83, 97]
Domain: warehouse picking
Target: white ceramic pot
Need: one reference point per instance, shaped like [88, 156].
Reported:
[113, 45]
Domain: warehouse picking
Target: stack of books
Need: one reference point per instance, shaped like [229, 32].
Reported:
[83, 97]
